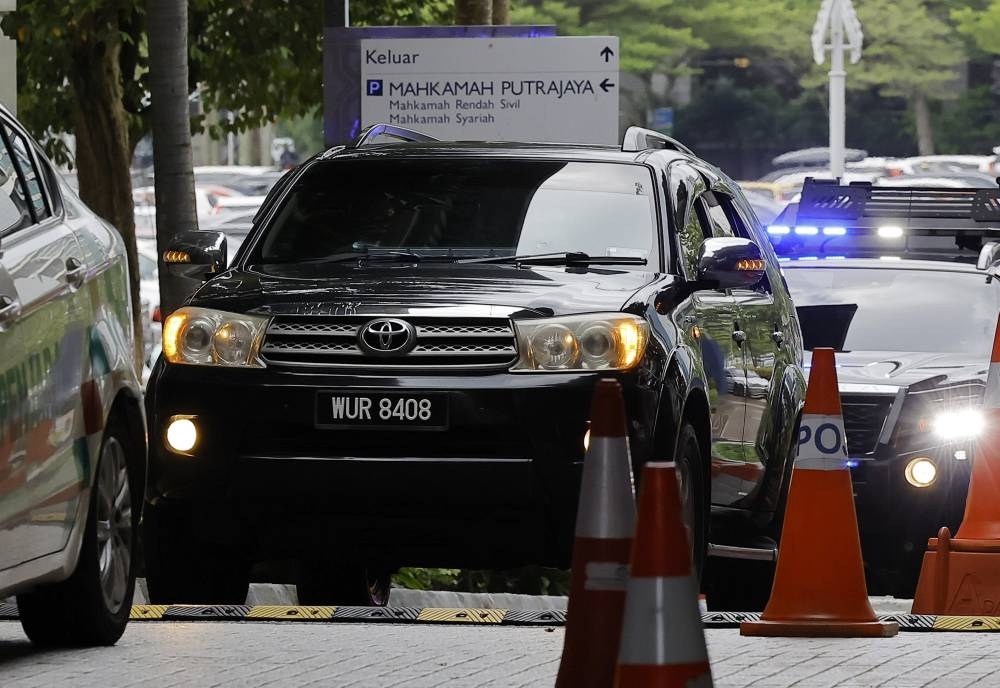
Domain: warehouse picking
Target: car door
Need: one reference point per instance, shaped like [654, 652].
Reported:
[763, 320]
[14, 216]
[44, 262]
[712, 318]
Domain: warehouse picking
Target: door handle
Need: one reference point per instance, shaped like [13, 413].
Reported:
[739, 336]
[76, 272]
[9, 309]
[779, 337]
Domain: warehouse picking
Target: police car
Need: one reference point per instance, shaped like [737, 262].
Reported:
[902, 283]
[72, 435]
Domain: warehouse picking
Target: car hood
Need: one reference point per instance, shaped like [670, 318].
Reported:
[908, 368]
[325, 289]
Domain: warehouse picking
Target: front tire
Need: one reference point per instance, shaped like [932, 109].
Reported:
[322, 583]
[92, 606]
[694, 502]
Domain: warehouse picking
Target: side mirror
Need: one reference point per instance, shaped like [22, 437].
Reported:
[196, 255]
[989, 255]
[727, 263]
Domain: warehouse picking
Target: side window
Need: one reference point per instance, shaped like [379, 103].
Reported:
[36, 192]
[718, 217]
[692, 235]
[14, 212]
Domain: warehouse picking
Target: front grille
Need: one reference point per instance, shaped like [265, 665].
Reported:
[864, 418]
[441, 342]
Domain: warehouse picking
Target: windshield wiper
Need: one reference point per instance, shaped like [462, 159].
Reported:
[368, 257]
[568, 258]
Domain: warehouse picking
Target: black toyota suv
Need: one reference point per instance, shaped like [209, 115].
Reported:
[902, 283]
[396, 368]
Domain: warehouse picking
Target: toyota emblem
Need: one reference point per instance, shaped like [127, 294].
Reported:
[386, 336]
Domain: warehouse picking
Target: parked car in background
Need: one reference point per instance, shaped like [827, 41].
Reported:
[72, 433]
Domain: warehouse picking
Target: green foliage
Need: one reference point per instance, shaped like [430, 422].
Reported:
[909, 50]
[981, 25]
[970, 124]
[426, 579]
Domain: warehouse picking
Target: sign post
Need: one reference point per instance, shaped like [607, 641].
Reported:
[561, 89]
[8, 62]
[839, 18]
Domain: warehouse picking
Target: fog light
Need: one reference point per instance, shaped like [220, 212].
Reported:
[921, 472]
[182, 434]
[586, 440]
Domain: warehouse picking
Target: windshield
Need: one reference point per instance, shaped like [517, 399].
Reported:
[461, 208]
[867, 309]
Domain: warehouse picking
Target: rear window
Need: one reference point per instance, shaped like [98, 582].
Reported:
[466, 208]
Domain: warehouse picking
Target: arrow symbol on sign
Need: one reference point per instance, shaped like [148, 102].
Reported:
[607, 53]
[607, 85]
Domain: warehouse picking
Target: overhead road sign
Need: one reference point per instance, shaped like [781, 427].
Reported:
[342, 86]
[561, 89]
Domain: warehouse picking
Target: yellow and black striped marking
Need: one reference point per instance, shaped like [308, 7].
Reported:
[478, 616]
[967, 623]
[289, 613]
[147, 611]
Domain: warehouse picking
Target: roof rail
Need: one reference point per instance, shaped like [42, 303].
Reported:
[374, 131]
[639, 139]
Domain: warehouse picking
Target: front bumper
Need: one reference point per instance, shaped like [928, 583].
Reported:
[895, 519]
[497, 488]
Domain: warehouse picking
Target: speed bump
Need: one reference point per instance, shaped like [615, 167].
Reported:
[912, 622]
[377, 614]
[967, 623]
[477, 616]
[727, 619]
[147, 611]
[190, 612]
[533, 617]
[290, 613]
[8, 611]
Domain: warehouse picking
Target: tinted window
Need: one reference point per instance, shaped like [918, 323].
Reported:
[719, 219]
[13, 206]
[36, 193]
[468, 207]
[865, 309]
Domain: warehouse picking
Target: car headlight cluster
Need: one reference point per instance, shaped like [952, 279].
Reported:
[960, 424]
[203, 336]
[601, 341]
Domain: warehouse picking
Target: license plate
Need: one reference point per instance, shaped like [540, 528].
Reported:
[427, 411]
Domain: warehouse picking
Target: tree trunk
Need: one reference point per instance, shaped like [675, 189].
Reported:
[103, 153]
[501, 12]
[925, 131]
[473, 12]
[174, 178]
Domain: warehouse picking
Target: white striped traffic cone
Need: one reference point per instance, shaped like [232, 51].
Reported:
[605, 521]
[663, 641]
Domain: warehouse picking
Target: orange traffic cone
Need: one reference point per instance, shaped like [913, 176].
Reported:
[819, 583]
[663, 642]
[605, 522]
[960, 576]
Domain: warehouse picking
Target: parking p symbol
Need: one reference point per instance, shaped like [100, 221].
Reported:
[375, 87]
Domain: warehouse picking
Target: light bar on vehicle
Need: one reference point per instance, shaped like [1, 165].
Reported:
[892, 212]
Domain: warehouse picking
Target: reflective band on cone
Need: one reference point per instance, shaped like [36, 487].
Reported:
[819, 582]
[663, 642]
[605, 522]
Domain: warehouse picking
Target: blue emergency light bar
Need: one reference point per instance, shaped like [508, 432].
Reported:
[830, 209]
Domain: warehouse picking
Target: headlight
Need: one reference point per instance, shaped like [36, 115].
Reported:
[601, 341]
[959, 425]
[202, 336]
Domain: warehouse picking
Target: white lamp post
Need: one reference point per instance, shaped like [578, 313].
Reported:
[839, 19]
